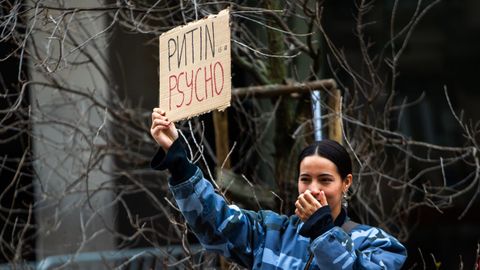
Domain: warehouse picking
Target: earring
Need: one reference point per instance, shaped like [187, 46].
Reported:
[344, 200]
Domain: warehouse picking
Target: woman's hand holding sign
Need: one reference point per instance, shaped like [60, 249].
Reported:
[163, 131]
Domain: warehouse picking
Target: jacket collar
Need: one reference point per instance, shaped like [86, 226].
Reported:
[342, 218]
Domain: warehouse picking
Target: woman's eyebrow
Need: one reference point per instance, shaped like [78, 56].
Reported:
[320, 175]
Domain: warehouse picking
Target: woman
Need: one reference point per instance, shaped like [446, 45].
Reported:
[318, 236]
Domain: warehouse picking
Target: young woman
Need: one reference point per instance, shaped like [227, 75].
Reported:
[318, 236]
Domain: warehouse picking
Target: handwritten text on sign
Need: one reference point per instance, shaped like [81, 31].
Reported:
[195, 74]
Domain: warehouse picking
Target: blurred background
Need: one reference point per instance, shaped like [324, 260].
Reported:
[394, 81]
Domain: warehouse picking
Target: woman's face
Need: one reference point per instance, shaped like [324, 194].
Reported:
[317, 174]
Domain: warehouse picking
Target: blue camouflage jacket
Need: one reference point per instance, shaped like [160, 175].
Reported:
[267, 240]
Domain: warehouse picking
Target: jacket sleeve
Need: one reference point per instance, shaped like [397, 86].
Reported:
[226, 229]
[366, 248]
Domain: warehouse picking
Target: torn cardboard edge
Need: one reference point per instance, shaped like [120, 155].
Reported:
[211, 16]
[220, 109]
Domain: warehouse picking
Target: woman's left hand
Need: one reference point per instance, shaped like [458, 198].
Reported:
[306, 204]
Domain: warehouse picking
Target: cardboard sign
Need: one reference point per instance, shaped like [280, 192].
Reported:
[195, 75]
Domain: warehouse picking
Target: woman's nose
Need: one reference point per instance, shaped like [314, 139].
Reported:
[314, 189]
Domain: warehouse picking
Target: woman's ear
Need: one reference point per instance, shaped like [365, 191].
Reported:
[348, 181]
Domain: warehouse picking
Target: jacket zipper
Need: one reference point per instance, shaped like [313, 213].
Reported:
[308, 262]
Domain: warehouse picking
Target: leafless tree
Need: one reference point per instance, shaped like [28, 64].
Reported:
[94, 142]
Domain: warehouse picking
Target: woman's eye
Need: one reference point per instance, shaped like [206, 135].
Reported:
[305, 179]
[326, 180]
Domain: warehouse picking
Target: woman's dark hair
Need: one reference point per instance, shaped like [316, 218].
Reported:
[332, 151]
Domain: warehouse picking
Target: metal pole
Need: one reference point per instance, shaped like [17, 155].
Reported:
[317, 115]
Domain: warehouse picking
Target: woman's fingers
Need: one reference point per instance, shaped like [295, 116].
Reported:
[158, 110]
[311, 199]
[300, 211]
[323, 198]
[308, 201]
[158, 119]
[156, 129]
[306, 205]
[298, 205]
[161, 122]
[303, 202]
[156, 115]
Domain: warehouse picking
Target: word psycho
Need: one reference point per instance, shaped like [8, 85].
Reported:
[185, 84]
